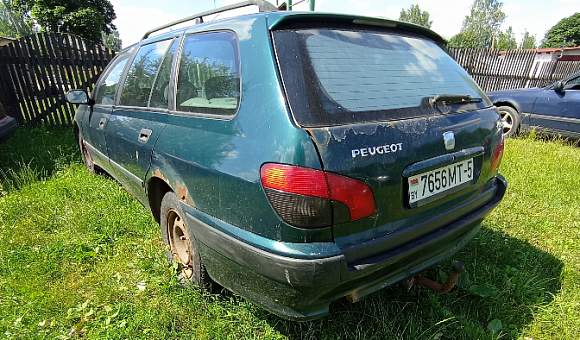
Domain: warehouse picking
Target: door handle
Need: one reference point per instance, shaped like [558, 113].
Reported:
[144, 135]
[102, 123]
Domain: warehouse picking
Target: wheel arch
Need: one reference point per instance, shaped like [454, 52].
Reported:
[507, 103]
[157, 187]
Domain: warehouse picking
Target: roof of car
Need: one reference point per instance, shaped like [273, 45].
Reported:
[277, 18]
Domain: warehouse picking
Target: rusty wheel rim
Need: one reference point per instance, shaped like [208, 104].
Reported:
[180, 243]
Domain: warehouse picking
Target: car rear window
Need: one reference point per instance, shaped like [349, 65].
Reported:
[337, 76]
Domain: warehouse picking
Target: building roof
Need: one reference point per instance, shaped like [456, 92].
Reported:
[556, 49]
[5, 41]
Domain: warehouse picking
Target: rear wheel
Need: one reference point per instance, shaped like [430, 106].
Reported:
[87, 159]
[511, 120]
[182, 246]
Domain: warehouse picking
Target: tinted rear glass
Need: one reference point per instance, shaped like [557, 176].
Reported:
[337, 75]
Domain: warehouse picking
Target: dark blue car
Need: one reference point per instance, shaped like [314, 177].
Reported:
[554, 109]
[7, 125]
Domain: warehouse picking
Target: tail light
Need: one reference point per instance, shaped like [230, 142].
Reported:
[497, 154]
[310, 198]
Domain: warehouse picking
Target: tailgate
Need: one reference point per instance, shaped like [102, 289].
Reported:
[392, 109]
[389, 156]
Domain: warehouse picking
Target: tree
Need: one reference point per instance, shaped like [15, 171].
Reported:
[479, 27]
[12, 23]
[462, 40]
[84, 18]
[528, 42]
[566, 31]
[416, 16]
[112, 40]
[507, 40]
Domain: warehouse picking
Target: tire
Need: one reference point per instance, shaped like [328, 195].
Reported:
[87, 159]
[511, 120]
[182, 246]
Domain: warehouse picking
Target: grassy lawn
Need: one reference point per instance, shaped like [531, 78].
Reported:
[79, 253]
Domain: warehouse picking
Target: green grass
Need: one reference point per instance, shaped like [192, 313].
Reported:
[78, 252]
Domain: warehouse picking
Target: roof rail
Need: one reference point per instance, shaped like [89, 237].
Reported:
[263, 6]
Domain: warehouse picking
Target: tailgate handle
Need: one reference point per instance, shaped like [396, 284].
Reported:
[144, 135]
[443, 160]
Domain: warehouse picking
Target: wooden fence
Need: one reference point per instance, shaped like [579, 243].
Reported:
[36, 72]
[494, 70]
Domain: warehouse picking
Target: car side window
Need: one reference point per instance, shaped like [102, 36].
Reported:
[573, 84]
[160, 92]
[209, 77]
[105, 89]
[141, 75]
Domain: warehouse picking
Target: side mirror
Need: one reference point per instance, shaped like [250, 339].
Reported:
[78, 97]
[558, 87]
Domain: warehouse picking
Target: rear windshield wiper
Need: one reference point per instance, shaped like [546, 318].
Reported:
[453, 99]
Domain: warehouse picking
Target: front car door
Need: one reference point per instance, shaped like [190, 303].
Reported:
[559, 111]
[139, 119]
[93, 126]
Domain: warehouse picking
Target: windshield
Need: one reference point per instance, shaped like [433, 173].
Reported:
[352, 76]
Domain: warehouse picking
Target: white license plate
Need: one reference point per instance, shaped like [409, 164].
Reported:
[447, 177]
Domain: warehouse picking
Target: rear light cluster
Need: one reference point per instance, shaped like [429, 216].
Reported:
[310, 198]
[497, 154]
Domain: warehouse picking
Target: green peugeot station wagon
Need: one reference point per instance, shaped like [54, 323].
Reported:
[296, 158]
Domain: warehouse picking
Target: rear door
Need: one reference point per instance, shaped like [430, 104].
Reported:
[395, 111]
[140, 117]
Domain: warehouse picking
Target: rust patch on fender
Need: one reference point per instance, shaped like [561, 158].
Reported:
[183, 194]
[159, 175]
[179, 188]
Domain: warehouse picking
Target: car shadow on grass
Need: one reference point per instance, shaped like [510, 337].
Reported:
[32, 154]
[517, 280]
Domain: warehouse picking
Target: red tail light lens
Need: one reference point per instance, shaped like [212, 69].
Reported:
[497, 155]
[313, 198]
[294, 179]
[357, 196]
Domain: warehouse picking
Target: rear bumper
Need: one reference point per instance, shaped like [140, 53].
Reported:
[7, 127]
[303, 288]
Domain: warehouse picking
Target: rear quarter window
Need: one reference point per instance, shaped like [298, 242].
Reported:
[209, 77]
[337, 76]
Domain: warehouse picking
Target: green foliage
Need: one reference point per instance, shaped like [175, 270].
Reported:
[483, 291]
[507, 40]
[528, 41]
[463, 40]
[416, 16]
[81, 259]
[112, 40]
[86, 19]
[13, 23]
[495, 326]
[479, 26]
[566, 31]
